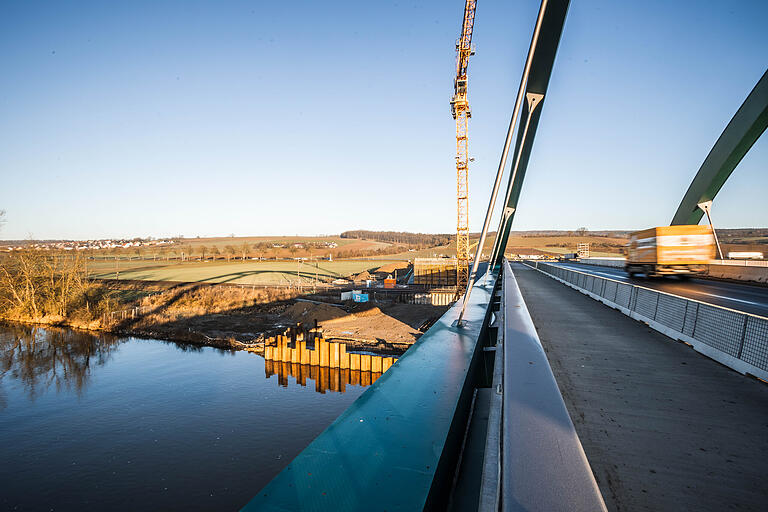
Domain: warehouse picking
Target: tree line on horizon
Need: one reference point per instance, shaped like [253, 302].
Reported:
[421, 240]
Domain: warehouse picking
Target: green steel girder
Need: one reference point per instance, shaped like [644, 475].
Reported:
[536, 89]
[749, 122]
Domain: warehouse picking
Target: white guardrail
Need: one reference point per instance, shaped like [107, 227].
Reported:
[741, 263]
[736, 339]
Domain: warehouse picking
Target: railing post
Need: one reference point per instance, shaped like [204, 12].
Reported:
[743, 336]
[695, 321]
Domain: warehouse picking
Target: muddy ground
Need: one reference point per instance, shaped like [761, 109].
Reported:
[235, 318]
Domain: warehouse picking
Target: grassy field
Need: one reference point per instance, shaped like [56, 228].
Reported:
[110, 265]
[260, 246]
[248, 272]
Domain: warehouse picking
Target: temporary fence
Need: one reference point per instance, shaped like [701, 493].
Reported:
[124, 314]
[734, 338]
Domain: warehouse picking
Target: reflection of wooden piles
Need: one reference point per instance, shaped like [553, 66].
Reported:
[329, 365]
[325, 355]
[325, 378]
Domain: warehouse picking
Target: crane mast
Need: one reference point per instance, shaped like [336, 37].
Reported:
[461, 112]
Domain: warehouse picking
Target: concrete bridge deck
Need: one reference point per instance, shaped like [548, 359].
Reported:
[663, 427]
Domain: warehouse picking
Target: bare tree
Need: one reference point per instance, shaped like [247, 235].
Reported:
[260, 249]
[34, 284]
[2, 218]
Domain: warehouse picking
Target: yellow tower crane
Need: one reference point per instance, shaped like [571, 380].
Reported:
[461, 112]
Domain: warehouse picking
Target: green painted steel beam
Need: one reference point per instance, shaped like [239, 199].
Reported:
[535, 92]
[397, 446]
[749, 122]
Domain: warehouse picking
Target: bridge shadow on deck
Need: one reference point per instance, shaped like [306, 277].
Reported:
[663, 427]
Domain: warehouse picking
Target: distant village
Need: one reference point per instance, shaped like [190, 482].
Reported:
[89, 245]
[101, 245]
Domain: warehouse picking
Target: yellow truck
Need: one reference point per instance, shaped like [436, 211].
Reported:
[670, 250]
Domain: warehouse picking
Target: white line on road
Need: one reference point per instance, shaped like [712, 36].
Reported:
[730, 298]
[590, 271]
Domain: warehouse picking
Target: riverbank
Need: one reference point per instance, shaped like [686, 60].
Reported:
[237, 318]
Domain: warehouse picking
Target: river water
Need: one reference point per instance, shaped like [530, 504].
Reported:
[97, 422]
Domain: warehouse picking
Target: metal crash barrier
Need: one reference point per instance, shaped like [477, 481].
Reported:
[736, 339]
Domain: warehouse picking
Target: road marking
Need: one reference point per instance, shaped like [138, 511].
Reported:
[590, 271]
[731, 298]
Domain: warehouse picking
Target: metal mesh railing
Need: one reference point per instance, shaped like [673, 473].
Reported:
[740, 335]
[755, 349]
[720, 328]
[670, 312]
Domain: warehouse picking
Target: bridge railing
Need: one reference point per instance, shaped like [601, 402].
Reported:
[734, 338]
[543, 465]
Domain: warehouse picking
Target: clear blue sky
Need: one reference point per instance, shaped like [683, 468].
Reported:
[210, 118]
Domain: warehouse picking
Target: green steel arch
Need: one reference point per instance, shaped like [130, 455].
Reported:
[542, 62]
[749, 122]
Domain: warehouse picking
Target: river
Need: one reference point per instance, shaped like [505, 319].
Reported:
[98, 422]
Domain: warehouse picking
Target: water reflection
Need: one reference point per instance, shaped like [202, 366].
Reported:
[325, 378]
[192, 428]
[42, 359]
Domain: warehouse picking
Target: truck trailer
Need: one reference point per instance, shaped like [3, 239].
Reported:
[670, 250]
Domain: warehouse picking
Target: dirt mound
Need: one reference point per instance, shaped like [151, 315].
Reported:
[307, 312]
[391, 267]
[362, 276]
[370, 310]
